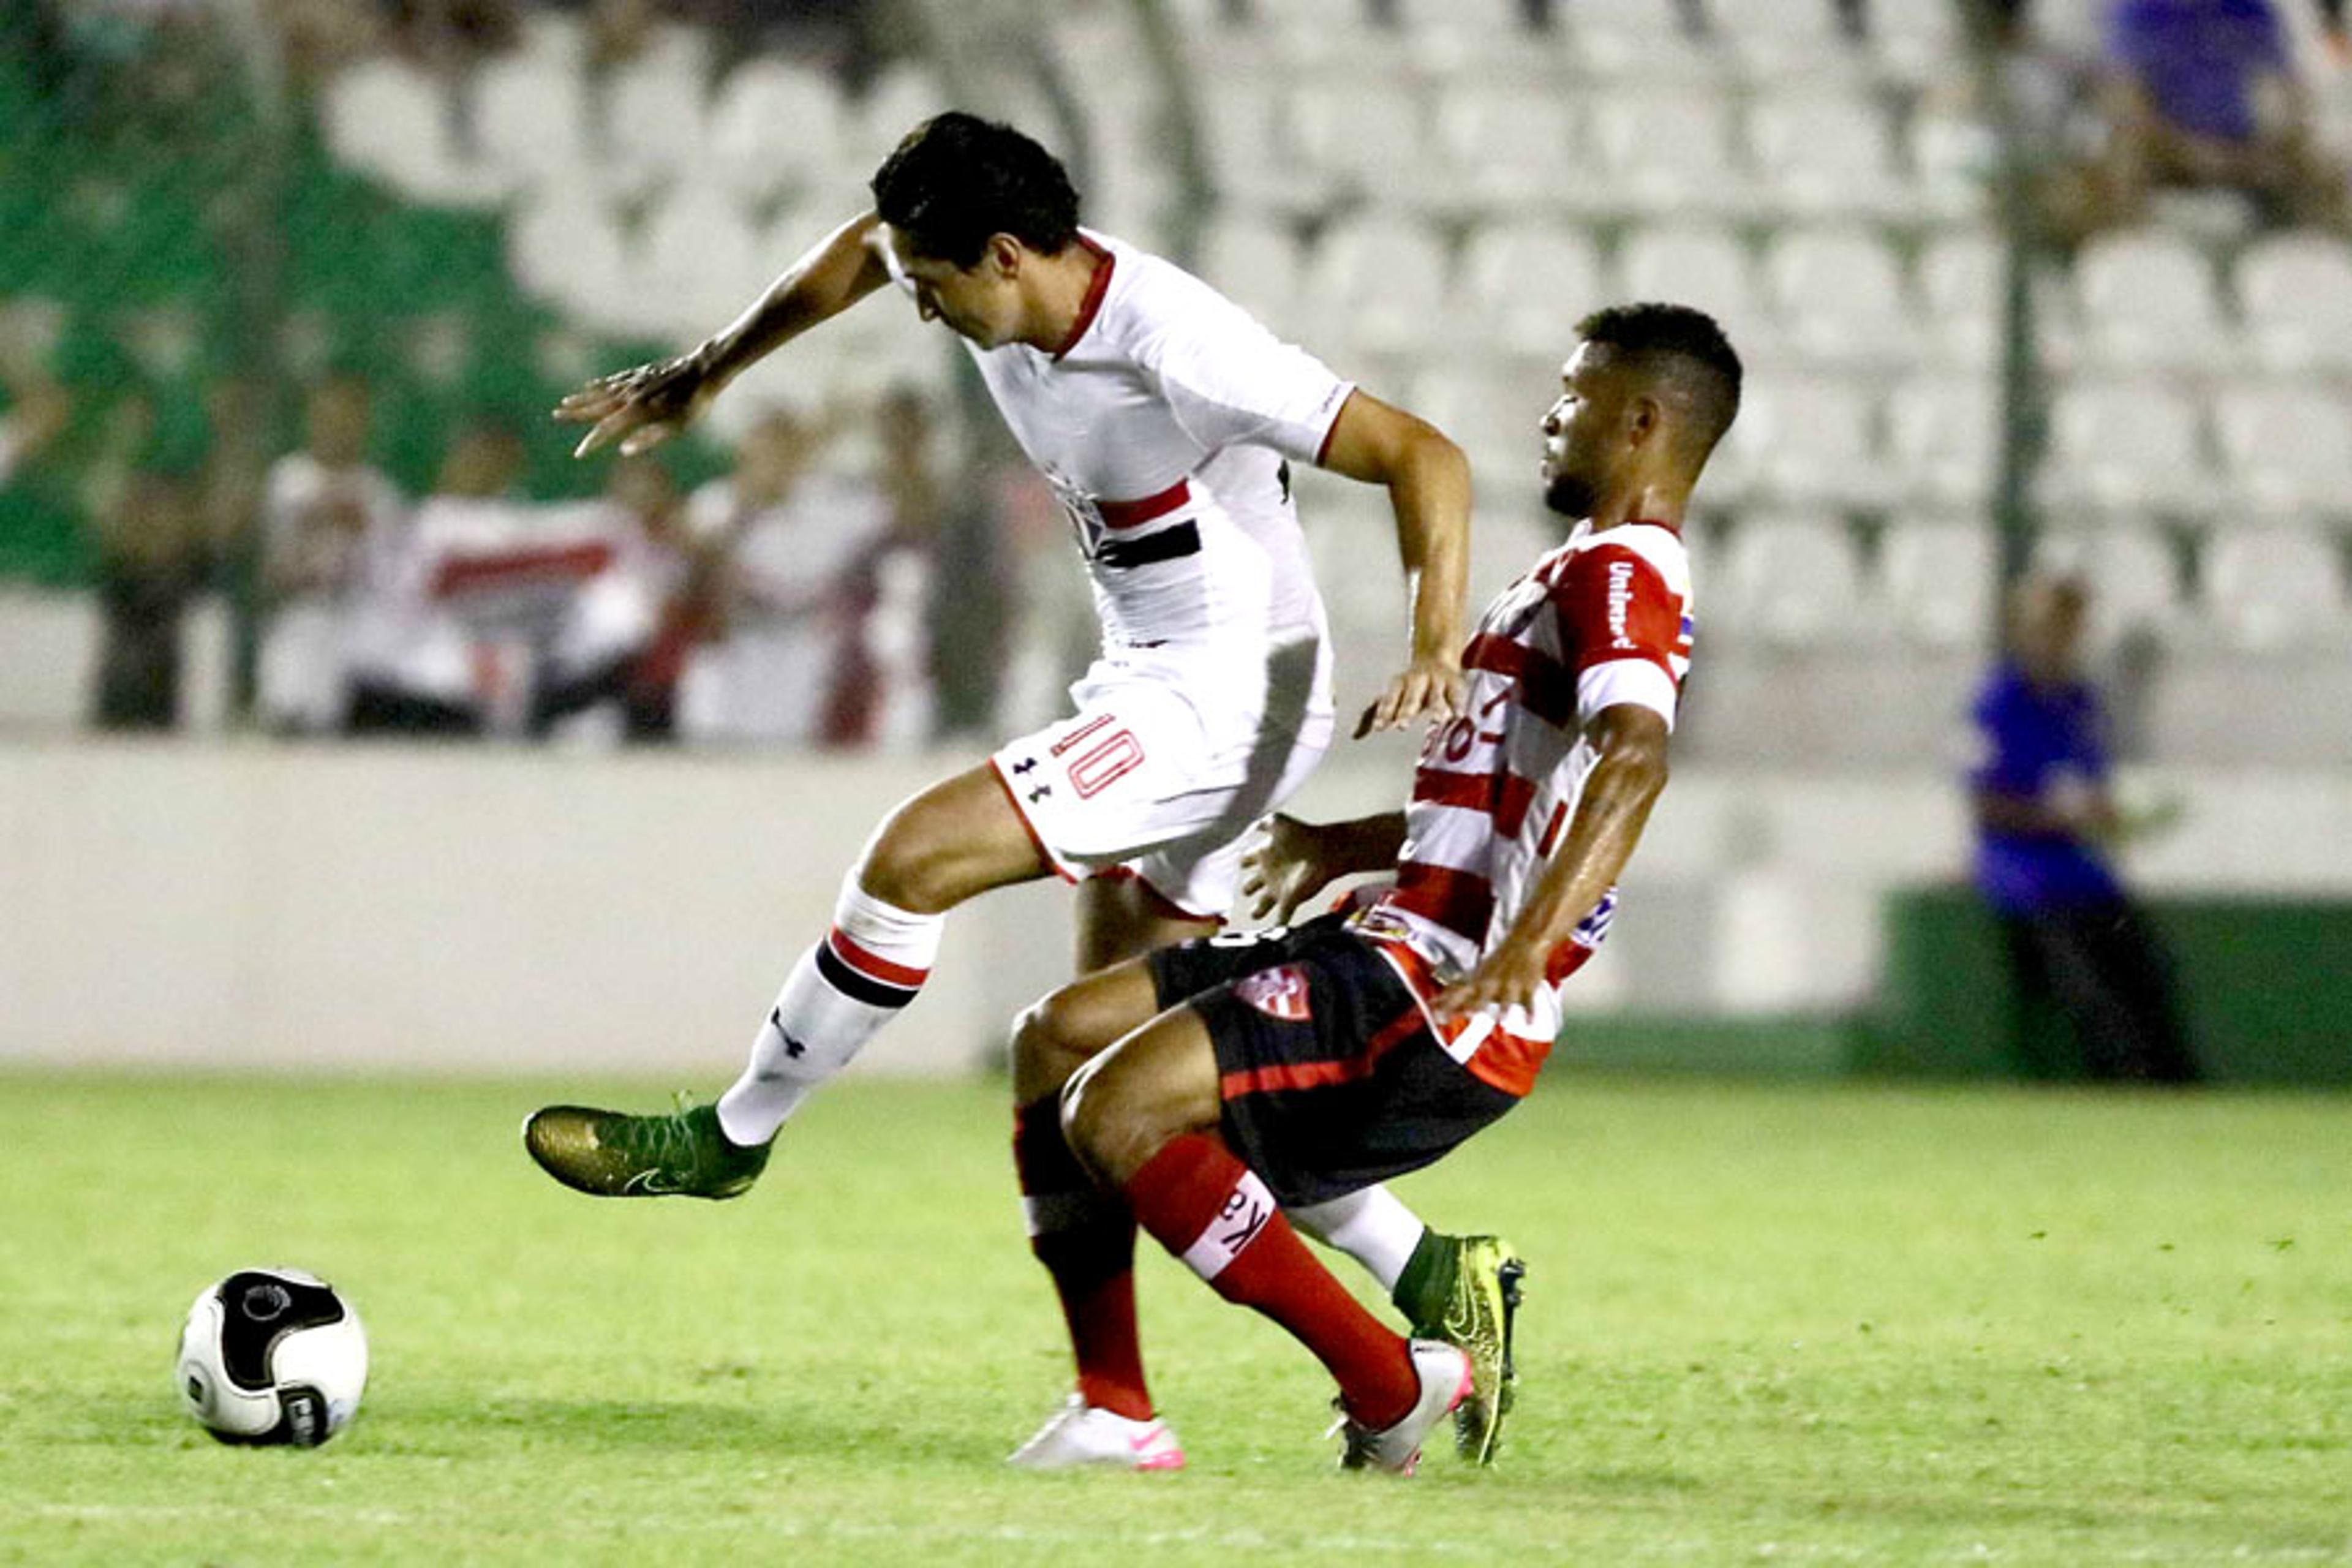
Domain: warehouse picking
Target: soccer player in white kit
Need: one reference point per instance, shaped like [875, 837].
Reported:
[1166, 419]
[1212, 1088]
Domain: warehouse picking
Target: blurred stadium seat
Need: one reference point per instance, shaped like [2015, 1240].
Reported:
[1788, 580]
[2128, 448]
[1838, 293]
[1824, 153]
[1937, 580]
[2148, 300]
[1671, 151]
[1521, 287]
[2275, 589]
[2288, 448]
[2296, 290]
[1807, 442]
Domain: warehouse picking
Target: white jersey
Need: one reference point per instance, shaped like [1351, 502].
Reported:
[1603, 619]
[1164, 425]
[317, 526]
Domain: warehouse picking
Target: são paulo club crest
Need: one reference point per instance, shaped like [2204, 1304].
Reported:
[1278, 993]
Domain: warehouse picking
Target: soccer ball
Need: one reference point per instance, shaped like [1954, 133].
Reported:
[272, 1356]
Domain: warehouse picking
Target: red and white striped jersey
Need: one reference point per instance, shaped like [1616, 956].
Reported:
[1605, 618]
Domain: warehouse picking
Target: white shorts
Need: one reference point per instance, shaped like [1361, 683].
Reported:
[1157, 777]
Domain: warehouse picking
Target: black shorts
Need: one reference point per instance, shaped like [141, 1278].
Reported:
[1331, 1077]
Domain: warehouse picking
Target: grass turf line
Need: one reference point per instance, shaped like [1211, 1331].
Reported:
[1798, 1323]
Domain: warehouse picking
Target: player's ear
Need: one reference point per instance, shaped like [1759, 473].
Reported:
[1003, 255]
[1646, 417]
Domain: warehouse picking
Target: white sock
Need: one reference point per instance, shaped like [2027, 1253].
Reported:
[843, 990]
[1371, 1226]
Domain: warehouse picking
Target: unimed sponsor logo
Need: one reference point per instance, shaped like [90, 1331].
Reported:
[1621, 603]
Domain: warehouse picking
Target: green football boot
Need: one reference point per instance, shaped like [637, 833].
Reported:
[612, 1155]
[1465, 1290]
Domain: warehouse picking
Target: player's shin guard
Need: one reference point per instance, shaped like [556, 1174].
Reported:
[1212, 1212]
[870, 965]
[1086, 1238]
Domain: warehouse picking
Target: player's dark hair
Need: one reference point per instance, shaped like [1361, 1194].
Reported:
[957, 179]
[1684, 347]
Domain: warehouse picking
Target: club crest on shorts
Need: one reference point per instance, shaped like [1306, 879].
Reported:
[1278, 993]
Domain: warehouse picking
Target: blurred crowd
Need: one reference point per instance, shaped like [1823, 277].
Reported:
[2176, 95]
[786, 601]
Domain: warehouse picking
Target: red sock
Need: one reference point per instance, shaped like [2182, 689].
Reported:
[1086, 1239]
[1212, 1211]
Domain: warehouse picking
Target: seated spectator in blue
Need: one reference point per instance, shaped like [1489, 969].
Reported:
[2204, 94]
[2080, 954]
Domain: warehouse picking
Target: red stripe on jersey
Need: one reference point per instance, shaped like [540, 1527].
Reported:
[1461, 901]
[509, 568]
[1497, 655]
[1282, 1075]
[1546, 688]
[873, 965]
[1503, 797]
[1128, 513]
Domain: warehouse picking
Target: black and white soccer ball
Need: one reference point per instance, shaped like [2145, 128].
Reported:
[272, 1356]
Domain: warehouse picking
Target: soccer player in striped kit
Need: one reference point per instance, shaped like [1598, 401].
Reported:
[1167, 420]
[1213, 1086]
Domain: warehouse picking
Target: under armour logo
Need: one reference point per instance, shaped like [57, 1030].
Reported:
[1024, 766]
[793, 1047]
[1040, 793]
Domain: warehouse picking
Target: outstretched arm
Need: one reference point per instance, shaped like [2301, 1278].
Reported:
[1623, 784]
[1428, 481]
[646, 406]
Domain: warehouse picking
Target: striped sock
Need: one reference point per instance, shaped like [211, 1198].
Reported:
[870, 965]
[1086, 1239]
[1212, 1212]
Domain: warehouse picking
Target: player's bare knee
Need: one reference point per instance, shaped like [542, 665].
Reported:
[1046, 1048]
[908, 864]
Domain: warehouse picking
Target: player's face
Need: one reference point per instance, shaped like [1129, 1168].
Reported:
[1578, 430]
[981, 302]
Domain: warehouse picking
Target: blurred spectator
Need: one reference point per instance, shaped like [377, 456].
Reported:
[417, 663]
[2203, 94]
[152, 561]
[2080, 954]
[453, 35]
[36, 414]
[325, 508]
[616, 652]
[2047, 96]
[799, 548]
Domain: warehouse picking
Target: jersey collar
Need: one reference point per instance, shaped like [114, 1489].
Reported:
[1092, 303]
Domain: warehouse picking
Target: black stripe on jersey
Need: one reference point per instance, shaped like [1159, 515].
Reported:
[855, 986]
[1168, 544]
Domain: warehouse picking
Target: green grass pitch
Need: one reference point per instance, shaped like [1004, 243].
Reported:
[1793, 1324]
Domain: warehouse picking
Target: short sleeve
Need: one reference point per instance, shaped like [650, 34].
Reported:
[1621, 628]
[1230, 382]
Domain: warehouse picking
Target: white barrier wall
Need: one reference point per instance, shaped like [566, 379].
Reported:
[499, 909]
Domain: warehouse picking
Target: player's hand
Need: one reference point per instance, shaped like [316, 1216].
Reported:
[640, 408]
[1429, 687]
[1283, 867]
[1510, 976]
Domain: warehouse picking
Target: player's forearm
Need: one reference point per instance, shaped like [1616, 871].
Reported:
[840, 271]
[1430, 494]
[1611, 814]
[1363, 844]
